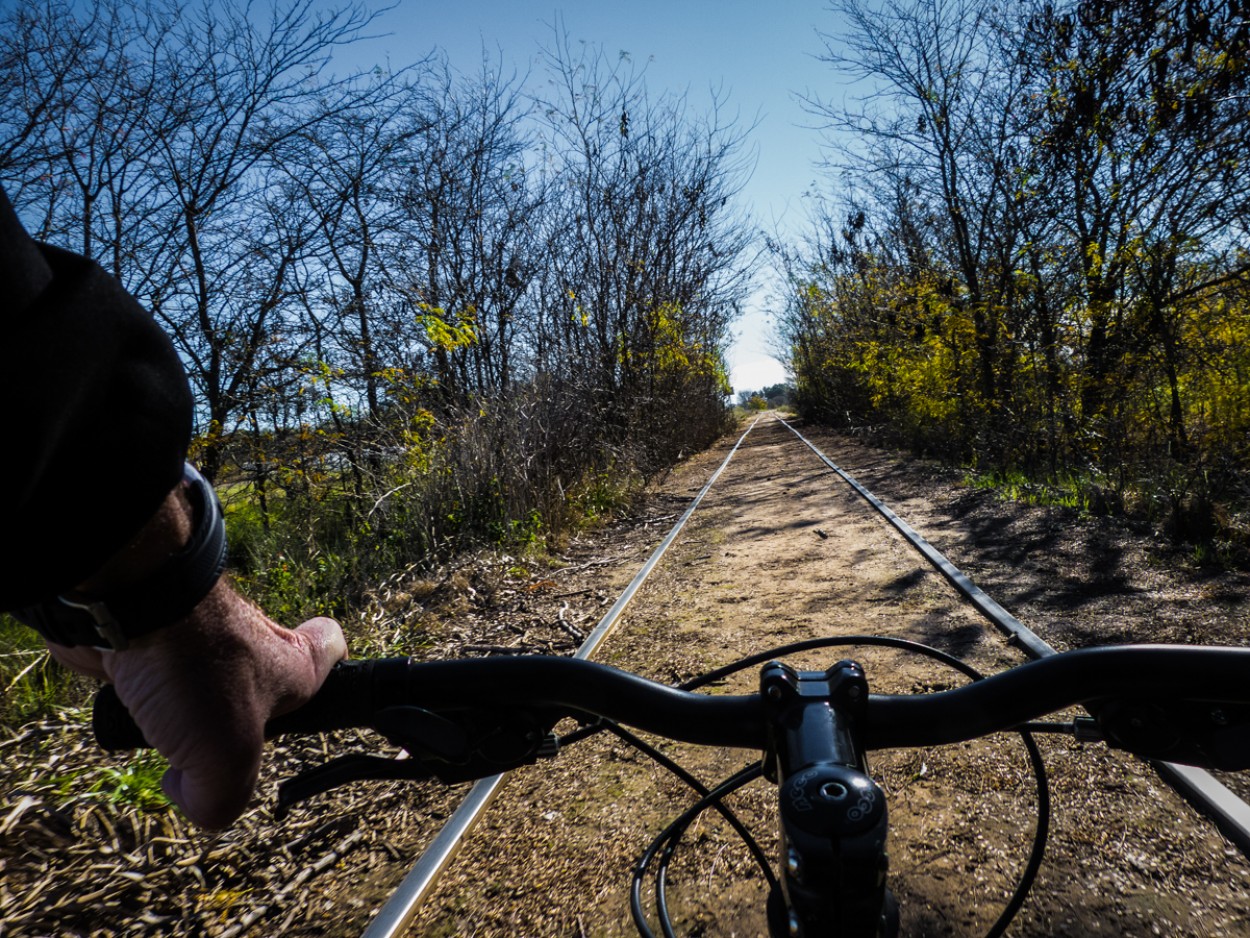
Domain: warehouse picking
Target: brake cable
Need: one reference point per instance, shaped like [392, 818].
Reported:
[672, 835]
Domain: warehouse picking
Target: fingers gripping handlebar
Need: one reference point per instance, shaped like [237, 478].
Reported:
[472, 718]
[357, 691]
[1181, 703]
[468, 719]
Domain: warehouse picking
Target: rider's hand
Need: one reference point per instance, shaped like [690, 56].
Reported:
[202, 689]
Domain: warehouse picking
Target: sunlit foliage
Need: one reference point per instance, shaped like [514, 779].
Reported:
[1038, 256]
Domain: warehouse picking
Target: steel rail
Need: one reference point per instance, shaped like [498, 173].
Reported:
[1204, 792]
[1017, 633]
[401, 908]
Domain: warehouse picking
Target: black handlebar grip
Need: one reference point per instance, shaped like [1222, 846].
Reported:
[114, 727]
[352, 694]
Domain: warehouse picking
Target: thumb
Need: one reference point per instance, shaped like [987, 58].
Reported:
[214, 791]
[320, 646]
[213, 797]
[201, 691]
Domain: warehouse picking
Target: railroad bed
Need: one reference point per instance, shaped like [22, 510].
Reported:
[780, 550]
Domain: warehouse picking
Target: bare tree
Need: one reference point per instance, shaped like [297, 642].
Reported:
[650, 262]
[235, 100]
[473, 209]
[350, 168]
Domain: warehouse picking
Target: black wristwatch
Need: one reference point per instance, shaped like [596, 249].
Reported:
[164, 597]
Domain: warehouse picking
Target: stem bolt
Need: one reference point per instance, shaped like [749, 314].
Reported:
[793, 865]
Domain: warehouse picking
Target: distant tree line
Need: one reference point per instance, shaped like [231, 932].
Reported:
[424, 301]
[1038, 259]
[775, 395]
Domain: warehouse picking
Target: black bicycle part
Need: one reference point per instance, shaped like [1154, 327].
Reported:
[778, 915]
[464, 714]
[1199, 693]
[833, 816]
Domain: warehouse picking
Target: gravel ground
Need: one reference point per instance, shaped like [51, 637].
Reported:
[780, 551]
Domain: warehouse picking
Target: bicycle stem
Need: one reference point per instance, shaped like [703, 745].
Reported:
[832, 813]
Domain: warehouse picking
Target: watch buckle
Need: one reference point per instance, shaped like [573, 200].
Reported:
[106, 626]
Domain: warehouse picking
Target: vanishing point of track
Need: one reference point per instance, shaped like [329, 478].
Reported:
[1205, 793]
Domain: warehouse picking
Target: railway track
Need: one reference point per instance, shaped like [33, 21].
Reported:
[1208, 795]
[795, 468]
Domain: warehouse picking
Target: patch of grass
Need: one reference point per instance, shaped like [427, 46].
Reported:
[519, 534]
[1016, 486]
[290, 566]
[136, 784]
[1219, 555]
[601, 496]
[32, 685]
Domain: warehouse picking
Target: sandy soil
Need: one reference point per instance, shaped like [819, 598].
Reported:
[781, 551]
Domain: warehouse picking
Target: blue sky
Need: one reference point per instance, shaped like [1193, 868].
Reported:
[759, 54]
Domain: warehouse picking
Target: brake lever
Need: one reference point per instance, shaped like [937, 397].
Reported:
[1211, 734]
[424, 735]
[342, 770]
[458, 748]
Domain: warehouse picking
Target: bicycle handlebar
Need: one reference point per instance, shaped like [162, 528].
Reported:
[471, 718]
[1185, 704]
[1180, 703]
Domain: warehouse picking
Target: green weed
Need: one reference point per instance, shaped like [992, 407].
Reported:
[136, 784]
[32, 684]
[1016, 486]
[601, 496]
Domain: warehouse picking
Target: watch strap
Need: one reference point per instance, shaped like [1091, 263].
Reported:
[159, 600]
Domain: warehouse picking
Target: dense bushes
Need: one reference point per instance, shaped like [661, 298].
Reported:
[311, 529]
[1041, 261]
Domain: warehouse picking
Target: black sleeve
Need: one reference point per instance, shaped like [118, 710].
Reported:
[96, 416]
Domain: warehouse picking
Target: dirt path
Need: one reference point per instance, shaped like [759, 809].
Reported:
[781, 552]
